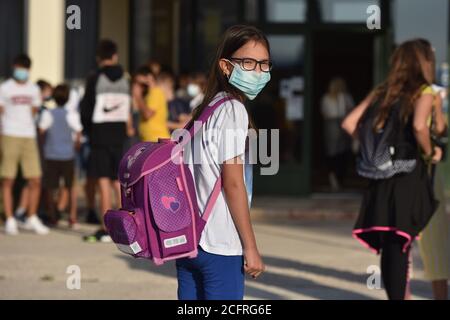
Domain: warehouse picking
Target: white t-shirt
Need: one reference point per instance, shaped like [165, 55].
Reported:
[336, 108]
[17, 101]
[74, 100]
[72, 118]
[222, 138]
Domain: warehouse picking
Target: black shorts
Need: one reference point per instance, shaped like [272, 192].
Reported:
[104, 162]
[55, 170]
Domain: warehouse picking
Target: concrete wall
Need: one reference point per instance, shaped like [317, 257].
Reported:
[46, 28]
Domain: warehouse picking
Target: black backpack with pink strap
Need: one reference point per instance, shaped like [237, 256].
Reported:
[387, 151]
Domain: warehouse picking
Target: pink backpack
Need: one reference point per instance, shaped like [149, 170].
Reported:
[160, 218]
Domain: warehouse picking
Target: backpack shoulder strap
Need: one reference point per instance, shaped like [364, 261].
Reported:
[193, 130]
[205, 115]
[212, 199]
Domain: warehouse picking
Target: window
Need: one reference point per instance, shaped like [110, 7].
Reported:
[286, 11]
[287, 51]
[202, 25]
[350, 11]
[251, 10]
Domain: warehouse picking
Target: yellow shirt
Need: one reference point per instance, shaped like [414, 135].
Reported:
[428, 90]
[155, 127]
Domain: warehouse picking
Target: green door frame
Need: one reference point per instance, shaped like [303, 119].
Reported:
[446, 164]
[295, 179]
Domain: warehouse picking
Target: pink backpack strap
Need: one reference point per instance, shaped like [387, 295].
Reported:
[193, 130]
[209, 110]
[212, 199]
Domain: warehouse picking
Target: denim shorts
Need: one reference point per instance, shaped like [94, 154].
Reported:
[211, 277]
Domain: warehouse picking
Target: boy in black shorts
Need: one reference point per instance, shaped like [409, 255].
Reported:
[62, 129]
[106, 117]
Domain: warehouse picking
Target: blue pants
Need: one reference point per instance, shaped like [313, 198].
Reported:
[210, 277]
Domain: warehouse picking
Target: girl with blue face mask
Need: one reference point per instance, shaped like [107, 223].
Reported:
[227, 249]
[247, 78]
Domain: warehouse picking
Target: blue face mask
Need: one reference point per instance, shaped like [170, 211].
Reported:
[20, 74]
[249, 82]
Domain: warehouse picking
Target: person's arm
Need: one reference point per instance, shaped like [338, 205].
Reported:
[45, 122]
[140, 102]
[36, 101]
[2, 110]
[422, 112]
[130, 128]
[172, 125]
[73, 119]
[146, 110]
[236, 198]
[87, 104]
[183, 119]
[441, 124]
[34, 110]
[77, 143]
[351, 121]
[2, 102]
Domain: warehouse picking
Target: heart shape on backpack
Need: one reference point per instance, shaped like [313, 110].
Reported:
[170, 203]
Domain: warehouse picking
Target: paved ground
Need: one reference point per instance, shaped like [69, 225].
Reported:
[305, 260]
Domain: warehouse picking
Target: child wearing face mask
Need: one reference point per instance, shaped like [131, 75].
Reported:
[399, 201]
[179, 111]
[153, 122]
[61, 129]
[196, 89]
[227, 248]
[46, 95]
[20, 100]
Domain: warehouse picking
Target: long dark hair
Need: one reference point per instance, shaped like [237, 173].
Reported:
[405, 80]
[234, 38]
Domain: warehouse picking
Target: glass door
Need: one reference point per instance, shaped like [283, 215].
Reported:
[283, 105]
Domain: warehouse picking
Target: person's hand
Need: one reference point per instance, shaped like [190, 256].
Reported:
[1, 110]
[253, 264]
[184, 117]
[131, 132]
[437, 155]
[146, 113]
[137, 90]
[77, 145]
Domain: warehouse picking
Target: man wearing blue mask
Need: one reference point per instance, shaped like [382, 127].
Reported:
[19, 102]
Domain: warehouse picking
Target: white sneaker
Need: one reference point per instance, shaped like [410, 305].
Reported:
[11, 227]
[106, 239]
[33, 223]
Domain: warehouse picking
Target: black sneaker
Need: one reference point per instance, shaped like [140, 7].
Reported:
[92, 217]
[99, 236]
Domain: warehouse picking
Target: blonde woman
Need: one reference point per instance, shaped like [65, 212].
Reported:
[335, 106]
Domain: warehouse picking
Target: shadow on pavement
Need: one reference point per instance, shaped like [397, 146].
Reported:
[299, 285]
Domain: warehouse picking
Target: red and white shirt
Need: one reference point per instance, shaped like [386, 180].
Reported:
[17, 101]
